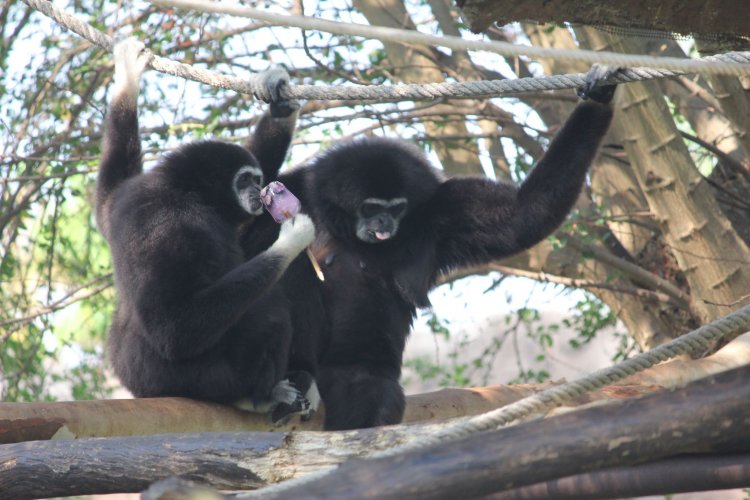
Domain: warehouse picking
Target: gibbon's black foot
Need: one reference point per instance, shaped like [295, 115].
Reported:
[273, 81]
[592, 88]
[283, 411]
[176, 487]
[305, 403]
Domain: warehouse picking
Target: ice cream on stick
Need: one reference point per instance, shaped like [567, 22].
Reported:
[283, 205]
[279, 201]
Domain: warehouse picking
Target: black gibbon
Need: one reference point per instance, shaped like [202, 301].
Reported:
[388, 224]
[195, 316]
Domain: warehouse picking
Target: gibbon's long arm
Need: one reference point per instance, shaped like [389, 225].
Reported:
[271, 139]
[121, 155]
[188, 315]
[477, 220]
[273, 133]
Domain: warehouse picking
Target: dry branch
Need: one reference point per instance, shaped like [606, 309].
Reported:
[689, 473]
[708, 416]
[673, 475]
[134, 417]
[226, 460]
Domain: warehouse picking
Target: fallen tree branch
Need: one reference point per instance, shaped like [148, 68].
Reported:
[689, 473]
[683, 474]
[708, 415]
[226, 460]
[133, 417]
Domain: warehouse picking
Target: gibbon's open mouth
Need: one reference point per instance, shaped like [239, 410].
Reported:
[381, 235]
[256, 207]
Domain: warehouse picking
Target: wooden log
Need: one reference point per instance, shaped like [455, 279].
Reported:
[134, 417]
[672, 475]
[226, 460]
[707, 415]
[690, 473]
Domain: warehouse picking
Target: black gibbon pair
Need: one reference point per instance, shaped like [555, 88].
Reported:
[197, 316]
[196, 319]
[388, 224]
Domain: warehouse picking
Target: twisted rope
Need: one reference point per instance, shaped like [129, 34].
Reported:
[737, 62]
[725, 328]
[457, 43]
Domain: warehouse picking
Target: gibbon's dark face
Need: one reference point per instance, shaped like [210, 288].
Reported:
[378, 220]
[365, 190]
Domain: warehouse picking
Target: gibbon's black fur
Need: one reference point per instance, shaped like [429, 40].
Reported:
[196, 317]
[388, 225]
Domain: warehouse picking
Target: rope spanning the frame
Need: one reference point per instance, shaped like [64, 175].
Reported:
[457, 43]
[725, 328]
[738, 62]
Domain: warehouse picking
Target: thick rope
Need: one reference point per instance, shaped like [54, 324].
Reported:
[457, 43]
[484, 88]
[725, 329]
[697, 341]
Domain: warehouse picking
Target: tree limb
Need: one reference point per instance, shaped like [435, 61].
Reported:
[708, 415]
[673, 475]
[132, 417]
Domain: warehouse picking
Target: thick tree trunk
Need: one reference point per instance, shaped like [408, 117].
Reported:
[707, 249]
[732, 92]
[612, 186]
[413, 64]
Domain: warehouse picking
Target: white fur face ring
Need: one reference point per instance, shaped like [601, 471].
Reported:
[246, 186]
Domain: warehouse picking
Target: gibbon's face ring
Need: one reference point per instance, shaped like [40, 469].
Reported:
[246, 186]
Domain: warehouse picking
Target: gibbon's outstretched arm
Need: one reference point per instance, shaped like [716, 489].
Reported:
[121, 155]
[478, 220]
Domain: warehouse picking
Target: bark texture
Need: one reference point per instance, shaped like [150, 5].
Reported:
[137, 417]
[679, 16]
[710, 415]
[679, 198]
